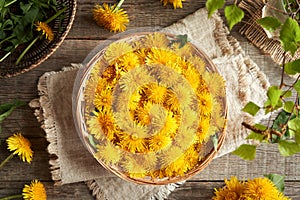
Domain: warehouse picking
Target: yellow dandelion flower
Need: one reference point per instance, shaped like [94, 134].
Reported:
[176, 3]
[128, 61]
[232, 190]
[215, 83]
[21, 146]
[108, 153]
[193, 77]
[158, 40]
[260, 188]
[166, 75]
[134, 167]
[170, 155]
[185, 51]
[34, 191]
[133, 141]
[103, 99]
[203, 129]
[116, 50]
[186, 137]
[155, 93]
[141, 114]
[191, 157]
[142, 54]
[198, 63]
[158, 56]
[159, 141]
[189, 117]
[205, 103]
[112, 17]
[157, 115]
[45, 29]
[184, 94]
[160, 173]
[177, 168]
[172, 102]
[135, 78]
[171, 123]
[282, 197]
[107, 124]
[94, 128]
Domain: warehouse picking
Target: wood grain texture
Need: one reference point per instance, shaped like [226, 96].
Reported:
[84, 37]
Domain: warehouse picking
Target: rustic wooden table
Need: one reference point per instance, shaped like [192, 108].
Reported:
[84, 36]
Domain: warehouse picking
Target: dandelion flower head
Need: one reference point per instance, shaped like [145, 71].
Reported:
[111, 18]
[176, 3]
[232, 190]
[46, 30]
[21, 146]
[260, 188]
[34, 191]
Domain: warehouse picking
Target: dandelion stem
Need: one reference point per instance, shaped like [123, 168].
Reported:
[8, 4]
[25, 51]
[12, 197]
[118, 6]
[6, 160]
[56, 15]
[8, 38]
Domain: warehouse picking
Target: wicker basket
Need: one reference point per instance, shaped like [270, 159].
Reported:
[40, 51]
[83, 107]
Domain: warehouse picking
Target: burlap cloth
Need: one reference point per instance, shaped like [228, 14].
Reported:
[70, 161]
[256, 34]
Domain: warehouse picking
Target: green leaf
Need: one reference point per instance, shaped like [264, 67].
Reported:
[246, 151]
[292, 67]
[269, 23]
[294, 128]
[213, 5]
[215, 141]
[280, 120]
[278, 181]
[251, 108]
[288, 106]
[255, 136]
[297, 87]
[233, 15]
[288, 148]
[183, 39]
[274, 94]
[7, 108]
[290, 35]
[286, 93]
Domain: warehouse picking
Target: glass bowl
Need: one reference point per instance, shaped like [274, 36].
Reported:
[150, 107]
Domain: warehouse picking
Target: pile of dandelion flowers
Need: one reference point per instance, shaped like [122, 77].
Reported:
[113, 18]
[20, 146]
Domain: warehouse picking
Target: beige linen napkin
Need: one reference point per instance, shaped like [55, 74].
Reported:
[72, 162]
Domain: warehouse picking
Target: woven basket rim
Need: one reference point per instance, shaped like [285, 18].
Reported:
[53, 48]
[167, 180]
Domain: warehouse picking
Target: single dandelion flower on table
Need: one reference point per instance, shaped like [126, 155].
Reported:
[260, 188]
[45, 29]
[176, 3]
[34, 191]
[20, 146]
[112, 17]
[232, 190]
